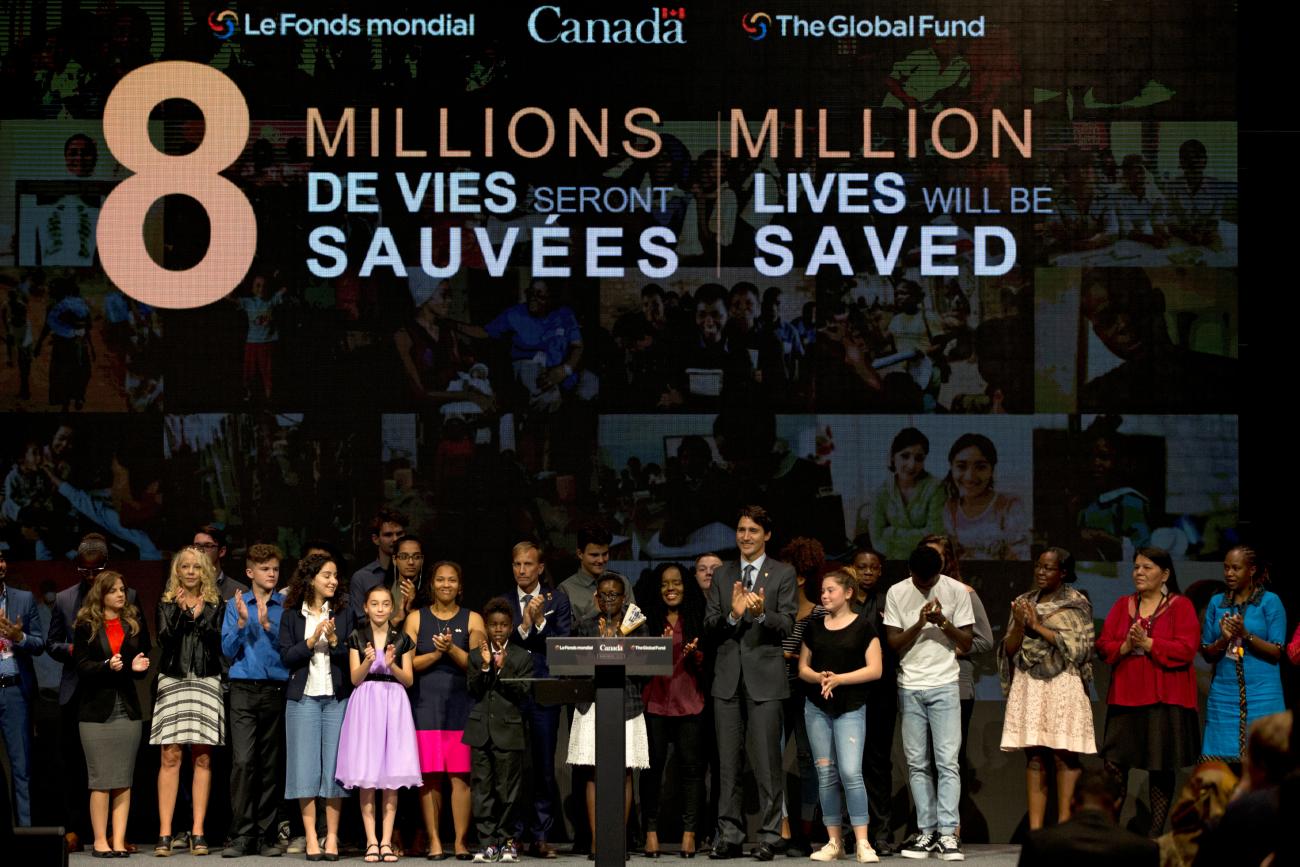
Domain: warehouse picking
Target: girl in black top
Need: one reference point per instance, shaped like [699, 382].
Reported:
[840, 654]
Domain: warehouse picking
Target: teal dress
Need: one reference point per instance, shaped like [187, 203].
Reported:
[1245, 687]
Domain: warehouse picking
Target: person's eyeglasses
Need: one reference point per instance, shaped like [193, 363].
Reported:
[205, 546]
[617, 594]
[403, 558]
[90, 570]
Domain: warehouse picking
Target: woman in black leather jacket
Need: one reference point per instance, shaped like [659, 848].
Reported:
[189, 708]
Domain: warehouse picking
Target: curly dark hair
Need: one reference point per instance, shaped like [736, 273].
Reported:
[649, 598]
[496, 605]
[806, 555]
[303, 576]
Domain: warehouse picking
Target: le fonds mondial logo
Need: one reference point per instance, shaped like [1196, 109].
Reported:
[226, 23]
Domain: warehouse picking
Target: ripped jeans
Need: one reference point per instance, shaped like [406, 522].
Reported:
[837, 741]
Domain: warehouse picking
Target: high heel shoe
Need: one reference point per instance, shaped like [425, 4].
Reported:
[685, 851]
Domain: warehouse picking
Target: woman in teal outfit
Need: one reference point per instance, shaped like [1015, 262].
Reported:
[909, 506]
[1242, 638]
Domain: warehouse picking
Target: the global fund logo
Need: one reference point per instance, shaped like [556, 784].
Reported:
[661, 25]
[756, 24]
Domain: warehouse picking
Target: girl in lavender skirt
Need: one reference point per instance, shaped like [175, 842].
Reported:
[377, 748]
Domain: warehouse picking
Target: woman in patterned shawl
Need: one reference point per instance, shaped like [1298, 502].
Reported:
[1045, 665]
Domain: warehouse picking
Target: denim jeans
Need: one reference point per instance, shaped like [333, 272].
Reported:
[933, 715]
[17, 731]
[312, 726]
[836, 741]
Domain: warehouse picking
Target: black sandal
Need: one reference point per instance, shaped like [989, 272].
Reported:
[372, 857]
[389, 857]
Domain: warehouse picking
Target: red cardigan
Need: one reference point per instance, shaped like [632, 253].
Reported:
[1165, 674]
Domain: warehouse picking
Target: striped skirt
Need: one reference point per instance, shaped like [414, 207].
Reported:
[189, 710]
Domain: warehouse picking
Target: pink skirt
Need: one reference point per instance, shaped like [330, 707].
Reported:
[377, 747]
[1055, 713]
[443, 752]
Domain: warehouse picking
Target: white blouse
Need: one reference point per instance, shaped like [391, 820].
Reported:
[319, 681]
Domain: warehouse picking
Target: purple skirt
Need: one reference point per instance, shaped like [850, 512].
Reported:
[378, 747]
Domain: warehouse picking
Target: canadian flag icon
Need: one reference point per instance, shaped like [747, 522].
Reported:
[679, 12]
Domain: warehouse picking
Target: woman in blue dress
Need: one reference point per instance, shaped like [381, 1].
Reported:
[1244, 630]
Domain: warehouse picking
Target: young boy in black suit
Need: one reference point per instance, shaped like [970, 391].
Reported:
[495, 729]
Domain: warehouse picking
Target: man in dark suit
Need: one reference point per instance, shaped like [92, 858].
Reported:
[751, 608]
[20, 640]
[495, 728]
[1091, 836]
[92, 558]
[538, 613]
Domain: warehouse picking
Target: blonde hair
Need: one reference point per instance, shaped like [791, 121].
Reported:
[92, 610]
[207, 582]
[526, 546]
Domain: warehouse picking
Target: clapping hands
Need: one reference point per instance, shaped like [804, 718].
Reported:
[743, 600]
[442, 641]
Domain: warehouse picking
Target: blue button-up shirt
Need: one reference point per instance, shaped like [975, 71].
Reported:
[254, 652]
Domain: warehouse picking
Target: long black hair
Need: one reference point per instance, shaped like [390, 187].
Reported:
[1161, 558]
[649, 598]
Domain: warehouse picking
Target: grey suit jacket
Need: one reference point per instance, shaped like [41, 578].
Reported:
[750, 649]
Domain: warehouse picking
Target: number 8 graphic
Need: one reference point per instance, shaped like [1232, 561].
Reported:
[233, 238]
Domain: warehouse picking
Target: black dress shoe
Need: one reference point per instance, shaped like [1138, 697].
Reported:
[722, 851]
[764, 852]
[885, 848]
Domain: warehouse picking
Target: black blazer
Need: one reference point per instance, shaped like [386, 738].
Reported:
[190, 645]
[98, 685]
[296, 655]
[58, 640]
[495, 716]
[1088, 839]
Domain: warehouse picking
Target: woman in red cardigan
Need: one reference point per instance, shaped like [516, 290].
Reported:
[1150, 640]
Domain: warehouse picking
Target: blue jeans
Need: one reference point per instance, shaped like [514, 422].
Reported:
[17, 735]
[837, 755]
[311, 728]
[933, 715]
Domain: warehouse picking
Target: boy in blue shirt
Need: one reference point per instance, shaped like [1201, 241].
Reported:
[250, 639]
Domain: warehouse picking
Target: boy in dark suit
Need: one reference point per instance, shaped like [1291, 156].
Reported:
[495, 729]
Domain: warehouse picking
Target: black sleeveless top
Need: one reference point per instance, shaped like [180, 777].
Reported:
[439, 696]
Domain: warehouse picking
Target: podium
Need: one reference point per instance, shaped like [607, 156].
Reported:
[608, 661]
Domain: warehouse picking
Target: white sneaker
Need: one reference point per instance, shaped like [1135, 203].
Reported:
[866, 855]
[832, 851]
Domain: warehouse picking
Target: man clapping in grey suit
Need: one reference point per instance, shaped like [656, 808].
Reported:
[751, 607]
